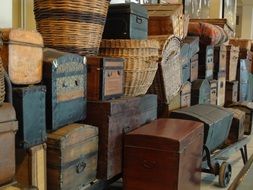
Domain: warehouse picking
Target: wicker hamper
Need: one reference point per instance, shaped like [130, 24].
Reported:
[71, 26]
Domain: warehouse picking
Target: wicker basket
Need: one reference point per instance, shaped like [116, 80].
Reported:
[167, 81]
[2, 86]
[75, 27]
[140, 62]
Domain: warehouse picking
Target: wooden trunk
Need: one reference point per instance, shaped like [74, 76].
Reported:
[105, 77]
[193, 42]
[246, 107]
[9, 126]
[243, 78]
[22, 55]
[72, 157]
[194, 67]
[64, 75]
[30, 105]
[185, 94]
[220, 59]
[213, 93]
[185, 62]
[169, 148]
[232, 62]
[237, 129]
[31, 167]
[221, 90]
[200, 93]
[231, 95]
[117, 117]
[206, 65]
[217, 122]
[127, 21]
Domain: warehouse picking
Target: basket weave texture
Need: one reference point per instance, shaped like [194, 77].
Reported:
[2, 86]
[140, 62]
[75, 27]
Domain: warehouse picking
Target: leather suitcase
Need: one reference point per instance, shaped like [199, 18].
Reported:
[115, 118]
[221, 90]
[243, 78]
[30, 103]
[194, 67]
[200, 93]
[185, 62]
[193, 42]
[8, 128]
[217, 122]
[31, 167]
[185, 94]
[105, 78]
[246, 107]
[231, 94]
[22, 55]
[220, 59]
[237, 128]
[232, 62]
[64, 74]
[213, 93]
[126, 21]
[206, 64]
[169, 148]
[72, 157]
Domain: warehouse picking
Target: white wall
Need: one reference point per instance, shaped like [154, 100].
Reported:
[5, 13]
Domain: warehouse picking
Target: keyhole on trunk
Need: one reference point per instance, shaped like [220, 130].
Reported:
[76, 82]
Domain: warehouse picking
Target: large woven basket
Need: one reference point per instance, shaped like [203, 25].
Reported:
[140, 62]
[167, 81]
[72, 26]
[2, 86]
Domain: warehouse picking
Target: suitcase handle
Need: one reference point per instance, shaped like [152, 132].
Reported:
[138, 20]
[80, 167]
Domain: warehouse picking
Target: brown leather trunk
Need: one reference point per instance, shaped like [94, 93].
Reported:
[213, 94]
[22, 55]
[232, 62]
[105, 78]
[231, 94]
[185, 94]
[220, 59]
[114, 118]
[8, 129]
[194, 67]
[167, 154]
[221, 90]
[237, 128]
[72, 157]
[31, 167]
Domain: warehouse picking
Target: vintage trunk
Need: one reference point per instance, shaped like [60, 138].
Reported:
[193, 42]
[200, 93]
[8, 128]
[29, 103]
[72, 157]
[105, 78]
[221, 90]
[213, 94]
[245, 54]
[243, 78]
[126, 21]
[169, 148]
[22, 55]
[246, 107]
[206, 65]
[31, 167]
[185, 62]
[194, 67]
[217, 122]
[232, 62]
[64, 75]
[242, 43]
[220, 59]
[231, 95]
[185, 94]
[115, 118]
[237, 128]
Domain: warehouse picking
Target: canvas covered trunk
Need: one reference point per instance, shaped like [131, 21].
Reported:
[117, 117]
[72, 157]
[243, 78]
[220, 59]
[194, 67]
[221, 90]
[65, 77]
[200, 93]
[213, 92]
[232, 62]
[185, 62]
[206, 65]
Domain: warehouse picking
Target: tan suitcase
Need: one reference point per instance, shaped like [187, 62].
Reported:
[22, 55]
